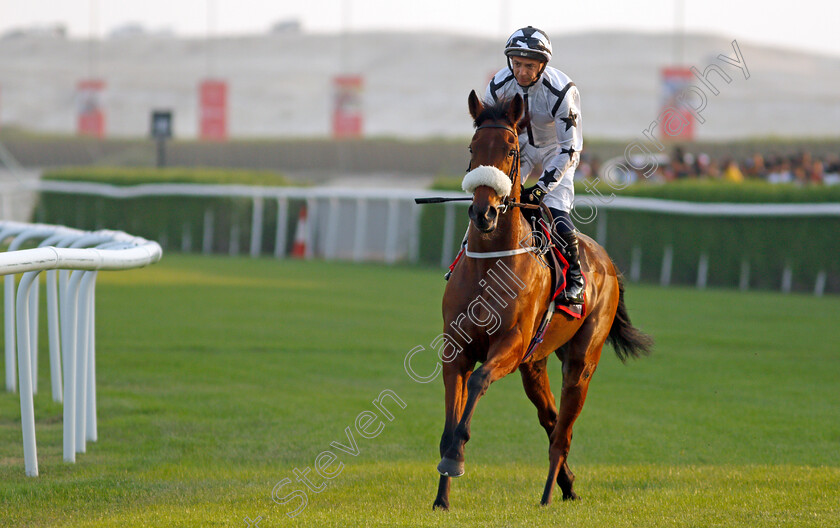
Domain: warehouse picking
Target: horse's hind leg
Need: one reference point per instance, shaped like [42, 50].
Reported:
[455, 376]
[580, 359]
[565, 479]
[535, 382]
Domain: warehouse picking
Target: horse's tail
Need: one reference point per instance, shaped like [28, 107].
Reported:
[626, 339]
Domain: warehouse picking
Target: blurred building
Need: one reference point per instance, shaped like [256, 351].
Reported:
[415, 85]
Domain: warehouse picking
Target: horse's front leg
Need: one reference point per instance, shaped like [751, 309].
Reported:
[502, 359]
[455, 376]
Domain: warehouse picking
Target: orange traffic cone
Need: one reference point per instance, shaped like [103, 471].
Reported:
[299, 247]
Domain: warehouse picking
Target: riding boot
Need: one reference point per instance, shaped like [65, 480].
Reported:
[573, 292]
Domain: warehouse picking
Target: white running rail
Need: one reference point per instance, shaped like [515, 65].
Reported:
[70, 307]
[402, 215]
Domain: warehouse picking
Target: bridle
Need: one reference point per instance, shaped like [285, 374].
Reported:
[514, 168]
[507, 203]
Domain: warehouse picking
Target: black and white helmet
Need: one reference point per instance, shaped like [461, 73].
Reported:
[529, 42]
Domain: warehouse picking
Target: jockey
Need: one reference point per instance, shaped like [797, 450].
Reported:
[551, 142]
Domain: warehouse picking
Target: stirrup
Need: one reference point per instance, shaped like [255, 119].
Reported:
[569, 302]
[564, 299]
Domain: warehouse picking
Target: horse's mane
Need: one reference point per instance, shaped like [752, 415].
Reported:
[498, 112]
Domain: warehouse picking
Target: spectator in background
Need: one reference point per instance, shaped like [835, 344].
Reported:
[802, 168]
[714, 170]
[595, 165]
[800, 177]
[731, 172]
[678, 164]
[817, 172]
[759, 168]
[703, 162]
[777, 173]
[832, 171]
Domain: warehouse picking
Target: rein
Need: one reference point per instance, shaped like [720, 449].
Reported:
[510, 252]
[440, 199]
[514, 170]
[506, 205]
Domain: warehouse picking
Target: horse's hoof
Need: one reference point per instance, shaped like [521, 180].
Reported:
[440, 505]
[450, 468]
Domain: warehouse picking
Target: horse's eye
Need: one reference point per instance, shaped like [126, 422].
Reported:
[470, 149]
[511, 153]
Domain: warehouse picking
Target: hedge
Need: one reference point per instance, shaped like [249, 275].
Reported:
[165, 219]
[808, 245]
[138, 176]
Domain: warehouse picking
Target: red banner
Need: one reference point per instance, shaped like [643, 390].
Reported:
[680, 120]
[91, 115]
[213, 110]
[347, 109]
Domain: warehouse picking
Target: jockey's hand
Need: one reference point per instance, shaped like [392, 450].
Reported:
[533, 195]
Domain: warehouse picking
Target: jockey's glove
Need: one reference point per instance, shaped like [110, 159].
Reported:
[533, 195]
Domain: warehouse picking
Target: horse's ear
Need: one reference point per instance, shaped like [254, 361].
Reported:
[516, 109]
[475, 104]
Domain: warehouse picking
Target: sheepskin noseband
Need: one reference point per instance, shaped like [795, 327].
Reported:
[489, 176]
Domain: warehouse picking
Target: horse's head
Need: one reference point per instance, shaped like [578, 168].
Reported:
[494, 159]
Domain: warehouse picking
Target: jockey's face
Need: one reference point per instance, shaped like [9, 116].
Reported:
[525, 70]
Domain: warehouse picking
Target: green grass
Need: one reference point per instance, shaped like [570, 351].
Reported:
[218, 376]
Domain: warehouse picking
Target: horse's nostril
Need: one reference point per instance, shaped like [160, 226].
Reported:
[483, 217]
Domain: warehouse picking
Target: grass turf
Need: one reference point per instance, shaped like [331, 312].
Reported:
[217, 377]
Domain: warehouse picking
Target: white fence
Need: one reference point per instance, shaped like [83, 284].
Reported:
[71, 319]
[365, 224]
[352, 224]
[697, 209]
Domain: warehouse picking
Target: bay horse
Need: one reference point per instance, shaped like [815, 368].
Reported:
[496, 227]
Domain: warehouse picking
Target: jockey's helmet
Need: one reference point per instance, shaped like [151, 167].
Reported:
[529, 42]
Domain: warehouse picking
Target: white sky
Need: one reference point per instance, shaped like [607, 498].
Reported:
[811, 25]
